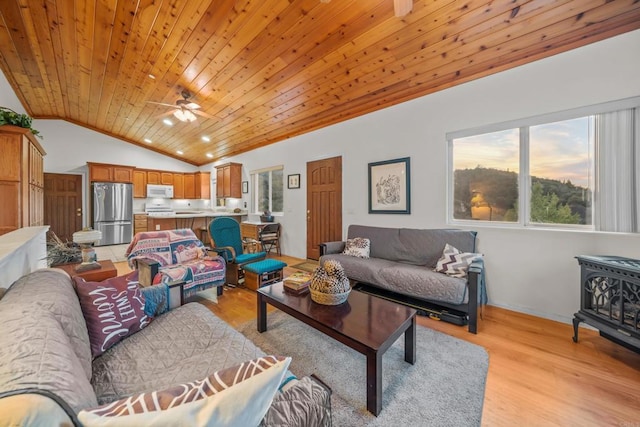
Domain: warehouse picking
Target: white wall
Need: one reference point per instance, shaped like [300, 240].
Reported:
[529, 270]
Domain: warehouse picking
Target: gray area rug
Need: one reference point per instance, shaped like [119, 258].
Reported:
[444, 388]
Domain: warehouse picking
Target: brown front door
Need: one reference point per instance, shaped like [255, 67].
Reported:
[324, 203]
[63, 204]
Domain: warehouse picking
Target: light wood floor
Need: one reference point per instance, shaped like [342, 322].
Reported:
[537, 375]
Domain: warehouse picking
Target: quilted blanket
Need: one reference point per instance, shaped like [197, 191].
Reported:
[182, 257]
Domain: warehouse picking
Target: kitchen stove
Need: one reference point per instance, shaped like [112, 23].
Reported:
[158, 209]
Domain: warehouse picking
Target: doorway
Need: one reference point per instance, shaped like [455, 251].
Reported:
[324, 203]
[63, 204]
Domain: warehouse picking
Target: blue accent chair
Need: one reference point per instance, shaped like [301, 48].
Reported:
[224, 234]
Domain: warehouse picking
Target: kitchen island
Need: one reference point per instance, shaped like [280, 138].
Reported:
[197, 220]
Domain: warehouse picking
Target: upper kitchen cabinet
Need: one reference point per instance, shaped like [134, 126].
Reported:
[153, 177]
[189, 186]
[229, 180]
[203, 185]
[21, 179]
[178, 186]
[101, 172]
[166, 178]
[139, 184]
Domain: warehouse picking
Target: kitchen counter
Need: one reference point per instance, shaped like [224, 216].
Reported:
[193, 214]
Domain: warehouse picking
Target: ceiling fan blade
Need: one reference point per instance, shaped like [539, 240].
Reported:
[203, 114]
[168, 113]
[402, 7]
[161, 103]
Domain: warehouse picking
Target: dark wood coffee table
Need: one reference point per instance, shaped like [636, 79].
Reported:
[365, 323]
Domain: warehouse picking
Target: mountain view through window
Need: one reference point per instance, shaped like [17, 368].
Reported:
[560, 164]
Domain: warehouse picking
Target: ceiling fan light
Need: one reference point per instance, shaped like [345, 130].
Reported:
[402, 7]
[184, 115]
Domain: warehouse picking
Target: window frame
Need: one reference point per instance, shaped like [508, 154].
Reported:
[524, 179]
[254, 187]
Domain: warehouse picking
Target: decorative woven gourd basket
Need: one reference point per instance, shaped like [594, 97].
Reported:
[329, 299]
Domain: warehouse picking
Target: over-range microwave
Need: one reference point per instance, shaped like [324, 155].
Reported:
[160, 191]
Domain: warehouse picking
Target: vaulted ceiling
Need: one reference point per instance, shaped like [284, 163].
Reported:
[266, 70]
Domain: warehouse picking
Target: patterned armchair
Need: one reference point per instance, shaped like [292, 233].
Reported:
[175, 256]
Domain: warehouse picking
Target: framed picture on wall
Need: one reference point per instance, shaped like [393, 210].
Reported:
[293, 181]
[245, 186]
[389, 187]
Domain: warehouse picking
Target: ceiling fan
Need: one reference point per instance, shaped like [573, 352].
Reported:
[184, 110]
[401, 7]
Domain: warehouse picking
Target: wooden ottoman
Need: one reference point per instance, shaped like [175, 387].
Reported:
[263, 273]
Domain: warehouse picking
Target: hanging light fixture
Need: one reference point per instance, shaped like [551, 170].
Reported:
[184, 115]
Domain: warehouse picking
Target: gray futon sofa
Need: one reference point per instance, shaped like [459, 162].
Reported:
[402, 261]
[46, 362]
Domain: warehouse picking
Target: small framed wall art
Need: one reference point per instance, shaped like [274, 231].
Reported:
[389, 187]
[293, 181]
[245, 187]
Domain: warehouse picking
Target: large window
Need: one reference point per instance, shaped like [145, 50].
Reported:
[550, 170]
[268, 194]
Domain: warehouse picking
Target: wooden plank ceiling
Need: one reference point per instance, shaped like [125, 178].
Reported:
[269, 69]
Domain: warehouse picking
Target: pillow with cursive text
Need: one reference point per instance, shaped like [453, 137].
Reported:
[113, 309]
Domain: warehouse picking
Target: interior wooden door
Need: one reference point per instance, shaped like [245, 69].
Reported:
[63, 204]
[324, 203]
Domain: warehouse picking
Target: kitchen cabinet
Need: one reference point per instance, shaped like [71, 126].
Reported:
[153, 177]
[139, 184]
[101, 172]
[140, 223]
[189, 186]
[166, 178]
[203, 185]
[21, 179]
[229, 180]
[178, 186]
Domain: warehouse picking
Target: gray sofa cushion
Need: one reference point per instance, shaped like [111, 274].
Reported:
[412, 246]
[51, 290]
[35, 352]
[412, 280]
[183, 345]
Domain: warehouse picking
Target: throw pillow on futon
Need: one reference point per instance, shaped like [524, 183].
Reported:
[238, 396]
[113, 309]
[357, 247]
[455, 263]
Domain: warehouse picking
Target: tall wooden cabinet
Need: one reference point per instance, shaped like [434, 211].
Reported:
[229, 180]
[21, 179]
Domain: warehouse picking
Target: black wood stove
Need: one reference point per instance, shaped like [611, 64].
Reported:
[610, 298]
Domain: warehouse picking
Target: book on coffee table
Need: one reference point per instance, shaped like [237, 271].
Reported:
[297, 280]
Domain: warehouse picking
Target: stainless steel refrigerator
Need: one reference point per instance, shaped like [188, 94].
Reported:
[113, 212]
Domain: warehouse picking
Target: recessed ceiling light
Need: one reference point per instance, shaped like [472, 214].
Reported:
[167, 122]
[206, 139]
[209, 155]
[179, 152]
[152, 77]
[147, 140]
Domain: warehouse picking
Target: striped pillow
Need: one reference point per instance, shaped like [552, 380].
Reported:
[237, 396]
[455, 263]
